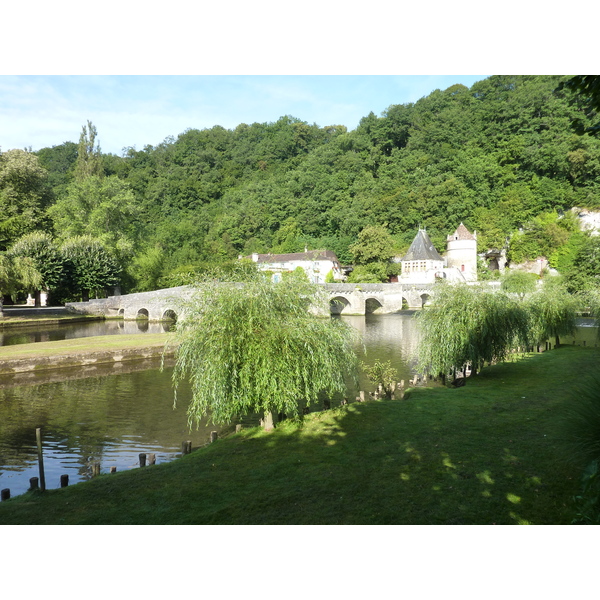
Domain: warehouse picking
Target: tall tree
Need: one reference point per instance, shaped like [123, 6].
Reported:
[89, 156]
[24, 195]
[255, 346]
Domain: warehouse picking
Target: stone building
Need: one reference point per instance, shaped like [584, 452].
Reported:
[315, 263]
[423, 263]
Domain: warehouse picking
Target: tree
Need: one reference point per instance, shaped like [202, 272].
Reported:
[255, 346]
[469, 326]
[24, 195]
[102, 207]
[519, 283]
[45, 256]
[587, 89]
[17, 273]
[89, 265]
[89, 156]
[552, 312]
[374, 244]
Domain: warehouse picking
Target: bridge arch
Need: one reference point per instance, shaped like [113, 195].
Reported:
[142, 313]
[372, 305]
[425, 299]
[338, 304]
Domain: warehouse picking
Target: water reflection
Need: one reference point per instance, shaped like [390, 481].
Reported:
[66, 331]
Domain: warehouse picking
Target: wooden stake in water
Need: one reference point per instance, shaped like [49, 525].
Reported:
[38, 437]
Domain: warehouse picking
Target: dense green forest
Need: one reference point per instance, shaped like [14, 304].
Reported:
[502, 156]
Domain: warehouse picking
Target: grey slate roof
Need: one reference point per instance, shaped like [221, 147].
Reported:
[310, 255]
[422, 248]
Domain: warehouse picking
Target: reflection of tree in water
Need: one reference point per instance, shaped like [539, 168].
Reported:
[393, 338]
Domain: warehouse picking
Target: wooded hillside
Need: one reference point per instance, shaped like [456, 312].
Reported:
[502, 157]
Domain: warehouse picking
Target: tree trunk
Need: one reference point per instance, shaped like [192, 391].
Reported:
[38, 298]
[268, 421]
[1, 302]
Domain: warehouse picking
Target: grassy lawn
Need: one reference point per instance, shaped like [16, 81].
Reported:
[489, 452]
[83, 345]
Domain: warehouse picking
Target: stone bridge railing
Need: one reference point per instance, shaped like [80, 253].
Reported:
[354, 299]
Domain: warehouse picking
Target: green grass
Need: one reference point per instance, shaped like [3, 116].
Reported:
[489, 452]
[83, 345]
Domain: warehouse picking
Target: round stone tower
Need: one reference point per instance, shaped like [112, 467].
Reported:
[462, 252]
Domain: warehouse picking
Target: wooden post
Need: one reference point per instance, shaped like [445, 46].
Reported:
[238, 428]
[142, 459]
[64, 481]
[113, 469]
[34, 483]
[151, 459]
[5, 494]
[186, 447]
[362, 396]
[214, 435]
[95, 469]
[38, 437]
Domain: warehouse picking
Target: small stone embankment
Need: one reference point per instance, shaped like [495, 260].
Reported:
[82, 352]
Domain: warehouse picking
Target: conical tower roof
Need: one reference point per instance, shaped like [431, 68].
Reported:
[461, 233]
[422, 248]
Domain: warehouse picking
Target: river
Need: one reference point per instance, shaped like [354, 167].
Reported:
[120, 412]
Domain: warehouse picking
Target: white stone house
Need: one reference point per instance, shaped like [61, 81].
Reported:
[423, 263]
[316, 264]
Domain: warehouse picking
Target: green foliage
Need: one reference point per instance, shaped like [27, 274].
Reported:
[518, 282]
[24, 195]
[44, 254]
[147, 269]
[89, 267]
[469, 325]
[89, 156]
[382, 373]
[374, 245]
[371, 273]
[101, 207]
[255, 347]
[582, 425]
[329, 278]
[552, 312]
[17, 273]
[587, 502]
[500, 157]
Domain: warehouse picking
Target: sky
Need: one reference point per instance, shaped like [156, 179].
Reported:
[41, 111]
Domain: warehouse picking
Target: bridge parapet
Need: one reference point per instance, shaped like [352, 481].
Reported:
[346, 298]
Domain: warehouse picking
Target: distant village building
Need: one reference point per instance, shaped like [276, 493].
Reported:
[315, 263]
[423, 264]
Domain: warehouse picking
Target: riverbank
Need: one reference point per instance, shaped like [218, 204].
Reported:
[486, 453]
[43, 356]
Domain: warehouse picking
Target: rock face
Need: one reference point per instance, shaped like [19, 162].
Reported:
[588, 220]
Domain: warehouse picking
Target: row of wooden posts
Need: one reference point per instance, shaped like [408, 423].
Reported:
[39, 483]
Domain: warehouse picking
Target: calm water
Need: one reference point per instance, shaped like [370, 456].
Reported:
[51, 333]
[110, 415]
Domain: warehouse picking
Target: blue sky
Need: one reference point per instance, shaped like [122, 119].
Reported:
[44, 110]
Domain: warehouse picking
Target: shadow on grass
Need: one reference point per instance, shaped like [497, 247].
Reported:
[487, 453]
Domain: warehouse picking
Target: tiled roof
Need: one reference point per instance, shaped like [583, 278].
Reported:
[422, 248]
[310, 255]
[461, 233]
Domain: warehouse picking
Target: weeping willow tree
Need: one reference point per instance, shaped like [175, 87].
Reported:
[17, 273]
[469, 325]
[552, 312]
[257, 347]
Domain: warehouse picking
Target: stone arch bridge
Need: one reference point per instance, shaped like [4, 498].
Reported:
[344, 298]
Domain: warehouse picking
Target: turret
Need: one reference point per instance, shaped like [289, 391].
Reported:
[462, 252]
